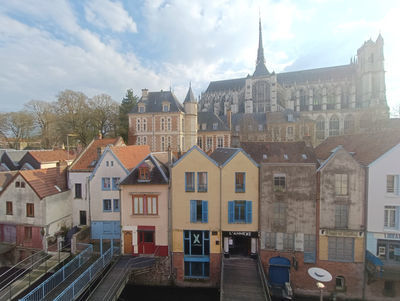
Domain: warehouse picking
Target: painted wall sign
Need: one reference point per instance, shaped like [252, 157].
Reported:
[392, 235]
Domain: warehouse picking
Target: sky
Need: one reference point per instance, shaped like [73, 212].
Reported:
[109, 46]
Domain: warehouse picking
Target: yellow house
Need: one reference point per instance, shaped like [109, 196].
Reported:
[211, 201]
[239, 200]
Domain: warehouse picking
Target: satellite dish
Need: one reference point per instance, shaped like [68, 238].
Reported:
[320, 274]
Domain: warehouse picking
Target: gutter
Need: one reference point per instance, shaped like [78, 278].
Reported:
[365, 229]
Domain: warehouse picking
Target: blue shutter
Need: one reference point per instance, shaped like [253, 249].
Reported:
[193, 214]
[248, 212]
[102, 183]
[205, 211]
[231, 211]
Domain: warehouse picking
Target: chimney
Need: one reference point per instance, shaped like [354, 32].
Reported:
[229, 119]
[145, 94]
[61, 175]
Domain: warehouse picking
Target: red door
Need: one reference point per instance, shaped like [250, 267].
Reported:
[146, 240]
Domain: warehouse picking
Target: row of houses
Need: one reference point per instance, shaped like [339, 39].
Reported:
[335, 207]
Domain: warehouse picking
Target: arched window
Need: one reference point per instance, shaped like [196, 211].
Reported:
[303, 100]
[334, 126]
[138, 124]
[144, 140]
[138, 140]
[162, 124]
[144, 124]
[331, 99]
[317, 100]
[320, 128]
[349, 124]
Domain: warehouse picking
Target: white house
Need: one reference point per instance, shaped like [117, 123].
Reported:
[104, 196]
[79, 173]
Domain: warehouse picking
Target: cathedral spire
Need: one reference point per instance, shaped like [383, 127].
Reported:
[261, 70]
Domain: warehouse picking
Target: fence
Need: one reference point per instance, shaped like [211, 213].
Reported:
[49, 284]
[76, 287]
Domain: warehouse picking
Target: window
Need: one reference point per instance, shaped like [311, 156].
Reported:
[107, 205]
[239, 212]
[82, 217]
[141, 109]
[240, 180]
[237, 128]
[165, 107]
[320, 128]
[144, 140]
[183, 125]
[260, 127]
[78, 190]
[279, 183]
[393, 184]
[105, 184]
[144, 124]
[144, 174]
[341, 184]
[209, 143]
[115, 183]
[189, 181]
[196, 253]
[9, 208]
[112, 163]
[288, 241]
[169, 124]
[183, 143]
[163, 124]
[215, 126]
[340, 249]
[204, 126]
[28, 233]
[340, 283]
[289, 131]
[341, 216]
[202, 182]
[309, 248]
[138, 125]
[198, 211]
[348, 124]
[200, 142]
[220, 142]
[168, 142]
[30, 210]
[107, 163]
[22, 184]
[270, 240]
[138, 141]
[390, 217]
[116, 205]
[279, 217]
[162, 144]
[145, 204]
[334, 126]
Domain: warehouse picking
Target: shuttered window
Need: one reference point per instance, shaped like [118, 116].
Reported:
[240, 212]
[198, 211]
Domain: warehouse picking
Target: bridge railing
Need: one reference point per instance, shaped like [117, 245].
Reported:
[76, 287]
[263, 278]
[50, 283]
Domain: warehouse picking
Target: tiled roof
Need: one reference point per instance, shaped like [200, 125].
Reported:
[87, 160]
[154, 102]
[131, 155]
[5, 178]
[156, 169]
[279, 152]
[45, 181]
[223, 154]
[43, 156]
[209, 118]
[366, 147]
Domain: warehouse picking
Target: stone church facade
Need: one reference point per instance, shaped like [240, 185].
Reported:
[339, 100]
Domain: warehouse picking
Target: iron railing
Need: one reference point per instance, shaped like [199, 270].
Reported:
[49, 284]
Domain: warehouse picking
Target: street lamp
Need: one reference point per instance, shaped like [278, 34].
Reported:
[321, 286]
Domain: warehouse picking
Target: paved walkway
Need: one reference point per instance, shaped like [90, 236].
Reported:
[241, 280]
[114, 281]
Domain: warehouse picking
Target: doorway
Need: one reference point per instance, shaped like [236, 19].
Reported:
[82, 218]
[241, 245]
[146, 243]
[127, 242]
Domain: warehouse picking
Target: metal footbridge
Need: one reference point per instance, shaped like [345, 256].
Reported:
[243, 278]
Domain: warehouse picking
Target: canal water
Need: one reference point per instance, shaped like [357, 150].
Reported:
[168, 293]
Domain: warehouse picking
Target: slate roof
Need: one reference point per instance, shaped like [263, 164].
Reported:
[131, 155]
[237, 118]
[156, 168]
[43, 156]
[44, 181]
[190, 96]
[5, 178]
[16, 155]
[209, 118]
[225, 85]
[275, 152]
[154, 102]
[314, 75]
[88, 158]
[366, 147]
[223, 154]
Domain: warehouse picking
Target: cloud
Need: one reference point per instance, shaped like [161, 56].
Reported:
[109, 14]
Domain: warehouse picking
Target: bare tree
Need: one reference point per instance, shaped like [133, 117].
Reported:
[45, 118]
[104, 114]
[17, 125]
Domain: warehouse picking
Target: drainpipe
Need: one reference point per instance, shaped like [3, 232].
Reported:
[120, 219]
[170, 221]
[88, 194]
[365, 226]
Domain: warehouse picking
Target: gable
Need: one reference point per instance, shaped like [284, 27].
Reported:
[190, 157]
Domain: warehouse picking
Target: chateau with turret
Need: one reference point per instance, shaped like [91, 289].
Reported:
[338, 100]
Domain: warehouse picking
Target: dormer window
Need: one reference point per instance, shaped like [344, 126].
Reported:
[141, 109]
[215, 126]
[203, 126]
[165, 107]
[144, 173]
